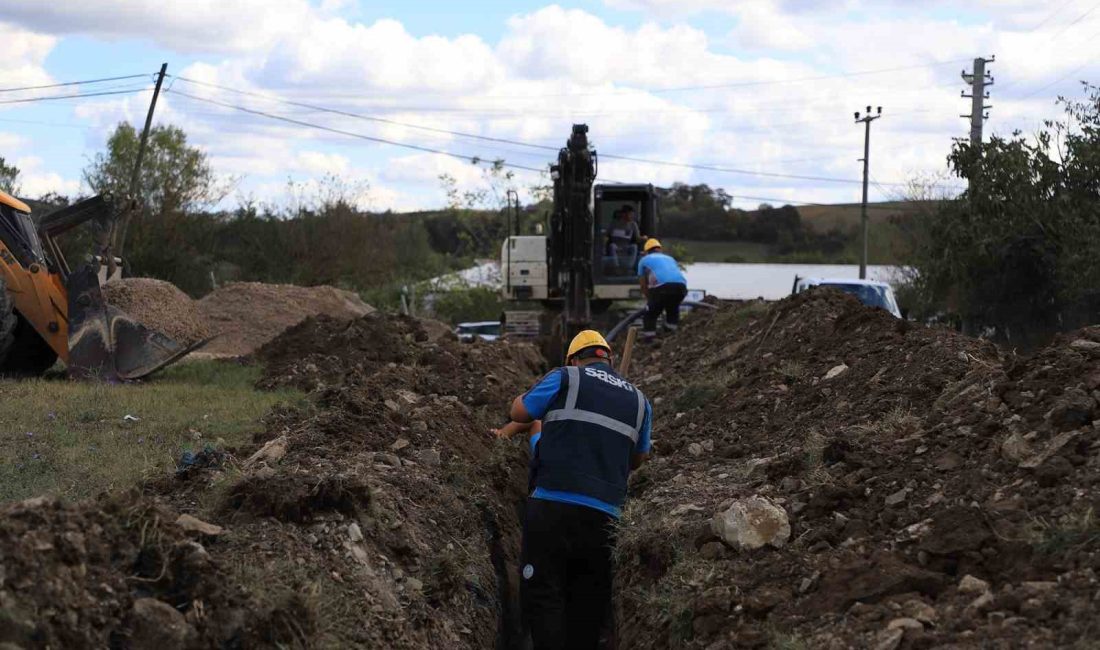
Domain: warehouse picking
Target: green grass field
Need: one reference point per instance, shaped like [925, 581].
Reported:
[73, 439]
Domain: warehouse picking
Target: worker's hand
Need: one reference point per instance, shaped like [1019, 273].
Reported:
[499, 433]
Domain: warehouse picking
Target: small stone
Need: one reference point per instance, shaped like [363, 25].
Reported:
[1085, 345]
[971, 585]
[685, 508]
[981, 603]
[429, 457]
[389, 459]
[1015, 448]
[836, 371]
[898, 497]
[948, 461]
[359, 553]
[392, 405]
[195, 525]
[414, 584]
[920, 611]
[264, 472]
[156, 624]
[904, 623]
[889, 639]
[695, 449]
[752, 523]
[420, 426]
[407, 396]
[400, 444]
[355, 534]
[270, 453]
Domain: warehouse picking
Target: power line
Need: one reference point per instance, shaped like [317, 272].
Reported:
[77, 96]
[73, 83]
[370, 118]
[1052, 15]
[361, 136]
[1075, 21]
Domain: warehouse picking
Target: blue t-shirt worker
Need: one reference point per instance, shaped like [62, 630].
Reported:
[664, 287]
[595, 430]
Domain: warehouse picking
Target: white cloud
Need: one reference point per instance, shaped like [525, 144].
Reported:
[22, 56]
[555, 66]
[35, 182]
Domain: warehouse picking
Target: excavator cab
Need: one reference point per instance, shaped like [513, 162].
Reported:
[625, 215]
[49, 310]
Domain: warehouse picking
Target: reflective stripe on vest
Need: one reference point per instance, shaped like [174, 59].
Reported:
[571, 412]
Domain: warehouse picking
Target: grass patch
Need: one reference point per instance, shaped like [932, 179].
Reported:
[696, 395]
[1070, 534]
[73, 439]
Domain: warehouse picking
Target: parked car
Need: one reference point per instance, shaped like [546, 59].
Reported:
[486, 330]
[870, 292]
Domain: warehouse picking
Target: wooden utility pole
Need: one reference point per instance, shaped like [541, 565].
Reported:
[135, 176]
[866, 120]
[979, 80]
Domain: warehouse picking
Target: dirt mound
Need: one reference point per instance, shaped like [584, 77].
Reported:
[905, 458]
[383, 514]
[118, 572]
[246, 315]
[160, 306]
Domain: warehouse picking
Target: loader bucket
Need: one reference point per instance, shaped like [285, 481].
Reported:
[106, 343]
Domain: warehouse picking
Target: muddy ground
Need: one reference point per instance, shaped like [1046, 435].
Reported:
[383, 516]
[939, 492]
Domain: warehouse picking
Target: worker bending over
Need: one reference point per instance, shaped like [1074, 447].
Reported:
[595, 430]
[664, 287]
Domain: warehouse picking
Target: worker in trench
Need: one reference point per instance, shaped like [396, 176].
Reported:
[589, 428]
[663, 286]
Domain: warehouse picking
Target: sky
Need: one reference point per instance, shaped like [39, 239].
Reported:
[753, 96]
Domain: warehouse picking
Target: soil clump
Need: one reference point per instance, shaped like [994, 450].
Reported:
[940, 491]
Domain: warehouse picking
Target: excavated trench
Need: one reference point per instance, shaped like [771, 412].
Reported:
[937, 491]
[383, 514]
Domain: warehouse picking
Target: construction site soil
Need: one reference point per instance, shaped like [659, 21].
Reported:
[934, 491]
[939, 492]
[384, 515]
[246, 315]
[160, 306]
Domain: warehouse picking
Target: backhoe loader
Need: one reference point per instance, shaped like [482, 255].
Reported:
[49, 311]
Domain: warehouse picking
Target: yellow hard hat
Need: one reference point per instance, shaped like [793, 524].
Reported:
[650, 244]
[587, 339]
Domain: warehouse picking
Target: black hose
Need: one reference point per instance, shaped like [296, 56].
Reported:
[624, 323]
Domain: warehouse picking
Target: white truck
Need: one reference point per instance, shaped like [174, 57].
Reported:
[870, 292]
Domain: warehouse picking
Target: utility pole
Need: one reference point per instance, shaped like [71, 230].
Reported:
[866, 120]
[979, 80]
[118, 235]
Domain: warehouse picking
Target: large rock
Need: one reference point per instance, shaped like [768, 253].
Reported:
[753, 523]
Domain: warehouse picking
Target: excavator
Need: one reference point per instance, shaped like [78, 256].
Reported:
[49, 311]
[569, 270]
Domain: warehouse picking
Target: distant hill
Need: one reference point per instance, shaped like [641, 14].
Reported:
[822, 218]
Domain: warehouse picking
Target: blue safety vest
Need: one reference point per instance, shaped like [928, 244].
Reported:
[589, 434]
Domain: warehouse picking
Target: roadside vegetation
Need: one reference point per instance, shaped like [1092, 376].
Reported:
[1014, 257]
[76, 439]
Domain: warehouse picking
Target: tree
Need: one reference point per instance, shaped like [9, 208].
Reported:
[174, 175]
[9, 177]
[1015, 254]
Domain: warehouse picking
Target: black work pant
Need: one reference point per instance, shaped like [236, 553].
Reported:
[666, 298]
[565, 580]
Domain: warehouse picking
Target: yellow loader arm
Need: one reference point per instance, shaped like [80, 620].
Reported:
[65, 310]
